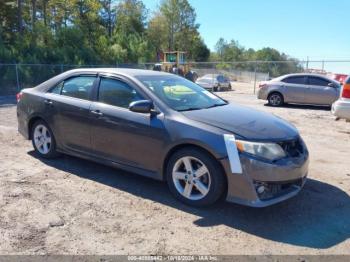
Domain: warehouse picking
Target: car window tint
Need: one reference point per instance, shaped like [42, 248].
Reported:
[78, 87]
[117, 93]
[295, 80]
[57, 89]
[317, 81]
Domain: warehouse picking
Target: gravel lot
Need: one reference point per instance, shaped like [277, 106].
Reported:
[72, 206]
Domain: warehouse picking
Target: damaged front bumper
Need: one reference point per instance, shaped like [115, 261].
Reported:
[263, 184]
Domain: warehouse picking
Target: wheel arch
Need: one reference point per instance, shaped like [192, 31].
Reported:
[31, 122]
[204, 150]
[181, 146]
[275, 92]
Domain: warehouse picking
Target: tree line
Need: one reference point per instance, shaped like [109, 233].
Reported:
[109, 32]
[277, 63]
[96, 31]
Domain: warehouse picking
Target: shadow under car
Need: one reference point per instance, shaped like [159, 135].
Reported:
[317, 218]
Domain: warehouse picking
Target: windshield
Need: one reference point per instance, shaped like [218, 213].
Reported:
[179, 93]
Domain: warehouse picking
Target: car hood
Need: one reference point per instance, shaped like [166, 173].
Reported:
[245, 122]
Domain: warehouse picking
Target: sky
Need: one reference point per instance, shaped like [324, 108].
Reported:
[300, 28]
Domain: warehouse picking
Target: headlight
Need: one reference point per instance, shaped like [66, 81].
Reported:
[269, 151]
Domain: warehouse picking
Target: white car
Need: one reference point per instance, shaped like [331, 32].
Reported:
[341, 107]
[214, 82]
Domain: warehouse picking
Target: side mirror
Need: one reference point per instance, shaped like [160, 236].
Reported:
[141, 106]
[332, 85]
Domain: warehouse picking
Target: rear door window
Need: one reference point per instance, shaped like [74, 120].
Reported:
[295, 80]
[317, 81]
[57, 89]
[78, 87]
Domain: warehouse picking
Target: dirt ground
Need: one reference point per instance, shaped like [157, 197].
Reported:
[72, 206]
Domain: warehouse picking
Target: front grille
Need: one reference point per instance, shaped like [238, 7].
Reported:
[293, 148]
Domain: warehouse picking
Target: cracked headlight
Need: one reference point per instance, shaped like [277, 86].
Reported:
[269, 151]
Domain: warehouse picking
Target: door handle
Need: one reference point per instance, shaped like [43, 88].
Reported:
[97, 113]
[48, 102]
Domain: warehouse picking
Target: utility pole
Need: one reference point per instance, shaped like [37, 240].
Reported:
[322, 66]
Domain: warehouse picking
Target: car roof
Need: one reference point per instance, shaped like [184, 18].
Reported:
[211, 75]
[128, 72]
[302, 74]
[124, 71]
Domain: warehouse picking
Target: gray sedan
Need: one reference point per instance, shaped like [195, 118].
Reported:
[165, 127]
[300, 89]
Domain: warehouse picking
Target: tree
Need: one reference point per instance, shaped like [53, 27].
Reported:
[130, 31]
[233, 52]
[157, 34]
[108, 15]
[173, 27]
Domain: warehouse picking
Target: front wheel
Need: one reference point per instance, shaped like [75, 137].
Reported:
[43, 140]
[195, 178]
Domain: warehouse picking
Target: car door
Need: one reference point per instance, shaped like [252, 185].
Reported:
[71, 100]
[321, 91]
[123, 136]
[294, 88]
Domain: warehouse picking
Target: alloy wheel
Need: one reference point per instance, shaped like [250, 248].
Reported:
[191, 178]
[275, 100]
[42, 139]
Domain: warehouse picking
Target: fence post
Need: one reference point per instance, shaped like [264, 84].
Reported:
[255, 68]
[17, 78]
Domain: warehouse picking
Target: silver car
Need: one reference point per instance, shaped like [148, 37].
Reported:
[300, 89]
[214, 82]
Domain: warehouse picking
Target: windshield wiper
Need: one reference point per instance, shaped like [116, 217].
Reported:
[190, 109]
[215, 105]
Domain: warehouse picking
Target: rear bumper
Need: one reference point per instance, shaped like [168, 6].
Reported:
[262, 94]
[341, 108]
[22, 124]
[281, 181]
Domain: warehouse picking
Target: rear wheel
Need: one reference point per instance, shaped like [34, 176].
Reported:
[275, 99]
[43, 140]
[194, 177]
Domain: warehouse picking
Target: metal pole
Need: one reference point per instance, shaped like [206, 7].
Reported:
[255, 68]
[17, 78]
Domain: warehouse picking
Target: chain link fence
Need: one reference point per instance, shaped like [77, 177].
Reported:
[14, 77]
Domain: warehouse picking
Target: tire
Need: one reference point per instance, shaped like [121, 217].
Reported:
[275, 99]
[43, 140]
[205, 184]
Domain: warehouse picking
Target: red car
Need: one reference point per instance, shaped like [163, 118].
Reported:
[339, 77]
